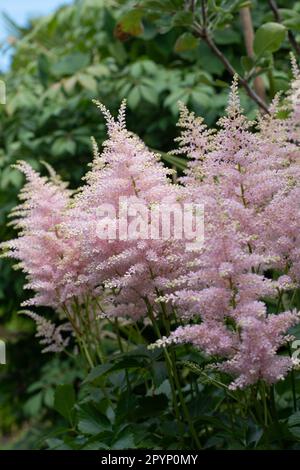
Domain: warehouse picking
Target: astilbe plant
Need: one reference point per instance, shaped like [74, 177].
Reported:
[232, 299]
[39, 247]
[85, 276]
[126, 271]
[249, 182]
[51, 261]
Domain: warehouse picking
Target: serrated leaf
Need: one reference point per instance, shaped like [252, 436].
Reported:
[57, 444]
[294, 419]
[91, 421]
[124, 442]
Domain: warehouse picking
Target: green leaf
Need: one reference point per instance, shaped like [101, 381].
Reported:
[91, 421]
[268, 38]
[98, 371]
[201, 98]
[10, 176]
[149, 94]
[64, 401]
[247, 63]
[227, 36]
[57, 444]
[294, 419]
[136, 69]
[183, 18]
[160, 5]
[98, 70]
[88, 82]
[127, 404]
[70, 64]
[128, 363]
[238, 4]
[95, 445]
[293, 23]
[63, 145]
[43, 68]
[134, 98]
[49, 397]
[178, 162]
[159, 373]
[33, 405]
[131, 23]
[186, 42]
[295, 431]
[124, 442]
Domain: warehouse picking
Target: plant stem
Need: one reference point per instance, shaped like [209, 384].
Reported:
[171, 376]
[100, 349]
[122, 351]
[176, 379]
[156, 329]
[246, 20]
[272, 83]
[293, 381]
[273, 403]
[79, 337]
[264, 400]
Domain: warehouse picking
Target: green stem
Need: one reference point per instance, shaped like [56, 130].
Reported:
[85, 329]
[177, 382]
[264, 401]
[293, 381]
[117, 329]
[79, 336]
[271, 83]
[99, 348]
[168, 365]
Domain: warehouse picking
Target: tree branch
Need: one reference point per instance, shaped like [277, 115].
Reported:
[292, 39]
[246, 21]
[201, 33]
[203, 11]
